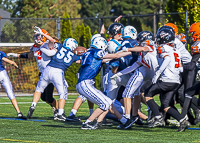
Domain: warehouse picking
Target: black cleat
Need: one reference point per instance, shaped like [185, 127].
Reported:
[61, 117]
[139, 121]
[30, 112]
[98, 125]
[73, 118]
[87, 126]
[197, 118]
[157, 122]
[21, 116]
[183, 125]
[127, 125]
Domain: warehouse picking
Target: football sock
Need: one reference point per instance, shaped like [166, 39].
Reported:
[186, 105]
[174, 113]
[33, 104]
[87, 121]
[91, 111]
[154, 107]
[123, 120]
[60, 111]
[73, 112]
[128, 116]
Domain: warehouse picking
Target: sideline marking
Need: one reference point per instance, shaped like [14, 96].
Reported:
[15, 140]
[24, 119]
[193, 128]
[28, 102]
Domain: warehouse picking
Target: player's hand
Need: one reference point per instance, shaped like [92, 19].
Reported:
[102, 29]
[155, 78]
[118, 18]
[113, 79]
[38, 30]
[12, 55]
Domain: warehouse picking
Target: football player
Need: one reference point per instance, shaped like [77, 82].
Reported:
[42, 39]
[188, 76]
[54, 73]
[90, 66]
[166, 80]
[189, 92]
[5, 81]
[145, 65]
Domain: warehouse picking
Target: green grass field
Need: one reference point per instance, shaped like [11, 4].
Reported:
[42, 128]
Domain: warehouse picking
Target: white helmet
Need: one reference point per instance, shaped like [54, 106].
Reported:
[70, 43]
[99, 43]
[95, 35]
[113, 46]
[129, 32]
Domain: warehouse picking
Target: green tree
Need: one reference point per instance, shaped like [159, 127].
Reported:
[66, 29]
[87, 37]
[193, 8]
[93, 8]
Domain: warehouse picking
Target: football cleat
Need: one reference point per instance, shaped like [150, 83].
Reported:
[98, 125]
[21, 116]
[73, 118]
[157, 122]
[30, 112]
[183, 125]
[127, 125]
[87, 126]
[61, 117]
[139, 121]
[55, 112]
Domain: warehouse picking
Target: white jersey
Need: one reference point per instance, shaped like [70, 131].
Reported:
[148, 59]
[46, 54]
[37, 55]
[185, 55]
[172, 71]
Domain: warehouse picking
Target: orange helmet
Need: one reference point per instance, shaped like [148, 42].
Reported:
[39, 38]
[195, 31]
[174, 27]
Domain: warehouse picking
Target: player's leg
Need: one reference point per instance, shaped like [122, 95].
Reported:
[87, 89]
[42, 84]
[9, 90]
[59, 82]
[91, 106]
[47, 96]
[149, 93]
[77, 103]
[166, 99]
[133, 84]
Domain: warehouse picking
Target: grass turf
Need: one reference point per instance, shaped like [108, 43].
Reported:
[42, 128]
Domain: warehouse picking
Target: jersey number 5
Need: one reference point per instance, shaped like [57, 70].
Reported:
[176, 56]
[62, 54]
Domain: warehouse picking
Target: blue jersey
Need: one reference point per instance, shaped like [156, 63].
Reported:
[63, 58]
[91, 64]
[2, 54]
[124, 62]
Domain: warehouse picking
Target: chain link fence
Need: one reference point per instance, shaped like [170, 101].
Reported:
[20, 30]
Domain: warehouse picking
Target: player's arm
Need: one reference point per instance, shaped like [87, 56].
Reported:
[138, 49]
[9, 61]
[116, 55]
[164, 65]
[48, 52]
[127, 70]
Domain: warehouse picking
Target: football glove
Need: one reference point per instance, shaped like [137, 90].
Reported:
[38, 30]
[12, 55]
[155, 78]
[113, 79]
